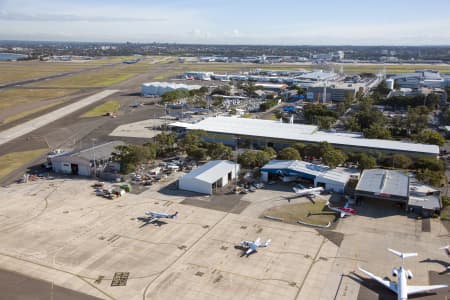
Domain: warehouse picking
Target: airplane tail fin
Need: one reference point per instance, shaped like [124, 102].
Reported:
[443, 248]
[175, 215]
[267, 243]
[402, 255]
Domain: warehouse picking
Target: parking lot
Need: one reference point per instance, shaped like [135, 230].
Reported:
[59, 231]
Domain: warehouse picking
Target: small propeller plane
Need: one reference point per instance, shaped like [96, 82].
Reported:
[308, 191]
[252, 246]
[344, 211]
[155, 216]
[401, 287]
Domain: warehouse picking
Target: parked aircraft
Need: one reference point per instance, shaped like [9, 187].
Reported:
[343, 211]
[252, 246]
[308, 191]
[401, 287]
[156, 216]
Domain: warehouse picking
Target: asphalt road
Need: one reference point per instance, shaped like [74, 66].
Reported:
[27, 127]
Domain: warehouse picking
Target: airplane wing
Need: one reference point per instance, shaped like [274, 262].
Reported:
[389, 284]
[414, 289]
[152, 220]
[249, 251]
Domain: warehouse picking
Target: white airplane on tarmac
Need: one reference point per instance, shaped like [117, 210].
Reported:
[252, 246]
[401, 287]
[156, 216]
[308, 191]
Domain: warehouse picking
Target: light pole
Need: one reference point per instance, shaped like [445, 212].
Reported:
[93, 155]
[235, 164]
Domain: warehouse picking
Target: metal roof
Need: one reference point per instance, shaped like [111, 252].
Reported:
[101, 152]
[313, 170]
[301, 133]
[212, 171]
[384, 182]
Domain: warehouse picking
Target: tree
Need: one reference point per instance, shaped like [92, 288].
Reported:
[249, 88]
[311, 150]
[269, 150]
[196, 152]
[130, 156]
[429, 136]
[333, 157]
[300, 147]
[192, 138]
[219, 151]
[429, 163]
[175, 95]
[377, 131]
[252, 159]
[430, 177]
[165, 143]
[417, 119]
[401, 161]
[366, 162]
[289, 153]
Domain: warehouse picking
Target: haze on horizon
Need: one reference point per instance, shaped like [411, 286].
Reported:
[286, 22]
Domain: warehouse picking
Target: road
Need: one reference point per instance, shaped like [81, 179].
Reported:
[27, 127]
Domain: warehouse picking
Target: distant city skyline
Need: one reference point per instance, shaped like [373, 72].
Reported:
[287, 22]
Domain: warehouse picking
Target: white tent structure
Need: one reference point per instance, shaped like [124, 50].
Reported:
[206, 178]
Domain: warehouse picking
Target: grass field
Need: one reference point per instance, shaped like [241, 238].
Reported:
[110, 106]
[98, 78]
[12, 161]
[27, 113]
[17, 96]
[306, 212]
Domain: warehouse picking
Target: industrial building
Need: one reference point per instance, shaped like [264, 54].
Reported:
[159, 88]
[383, 184]
[396, 186]
[276, 134]
[420, 78]
[209, 177]
[83, 162]
[330, 179]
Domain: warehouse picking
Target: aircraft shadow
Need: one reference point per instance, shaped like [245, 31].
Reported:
[146, 221]
[243, 250]
[438, 261]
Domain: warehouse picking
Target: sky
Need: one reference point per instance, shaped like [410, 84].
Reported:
[283, 22]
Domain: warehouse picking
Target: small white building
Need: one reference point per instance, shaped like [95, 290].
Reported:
[210, 176]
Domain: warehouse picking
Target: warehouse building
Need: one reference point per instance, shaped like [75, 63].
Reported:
[330, 179]
[83, 162]
[257, 133]
[209, 177]
[383, 184]
[160, 88]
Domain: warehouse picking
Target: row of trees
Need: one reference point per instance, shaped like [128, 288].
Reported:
[175, 95]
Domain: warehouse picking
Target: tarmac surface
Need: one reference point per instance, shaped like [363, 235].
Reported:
[15, 286]
[59, 231]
